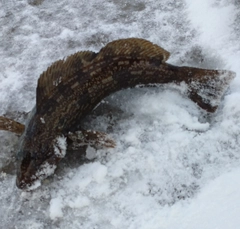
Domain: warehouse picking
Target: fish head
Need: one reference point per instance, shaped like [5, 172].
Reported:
[40, 150]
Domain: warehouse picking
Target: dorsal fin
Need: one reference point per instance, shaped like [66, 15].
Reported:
[135, 48]
[60, 71]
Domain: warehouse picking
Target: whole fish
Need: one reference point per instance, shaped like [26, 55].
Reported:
[70, 89]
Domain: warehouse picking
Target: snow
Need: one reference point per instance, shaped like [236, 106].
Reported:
[174, 165]
[60, 146]
[216, 22]
[55, 208]
[208, 209]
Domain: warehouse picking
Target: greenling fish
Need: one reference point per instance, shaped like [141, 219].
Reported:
[71, 88]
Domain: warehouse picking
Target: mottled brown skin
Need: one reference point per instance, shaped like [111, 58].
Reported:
[71, 88]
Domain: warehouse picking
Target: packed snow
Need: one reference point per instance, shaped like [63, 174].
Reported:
[174, 165]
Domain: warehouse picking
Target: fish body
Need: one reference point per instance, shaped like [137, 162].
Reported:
[70, 89]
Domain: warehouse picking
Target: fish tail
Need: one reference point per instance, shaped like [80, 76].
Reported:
[206, 87]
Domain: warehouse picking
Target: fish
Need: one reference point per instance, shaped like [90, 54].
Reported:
[72, 87]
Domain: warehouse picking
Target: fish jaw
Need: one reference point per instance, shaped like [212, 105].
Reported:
[31, 179]
[32, 170]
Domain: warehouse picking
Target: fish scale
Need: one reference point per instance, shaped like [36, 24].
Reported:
[70, 89]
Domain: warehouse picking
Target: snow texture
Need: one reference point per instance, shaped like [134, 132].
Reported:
[60, 147]
[174, 166]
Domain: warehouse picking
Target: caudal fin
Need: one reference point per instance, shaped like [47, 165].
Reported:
[206, 87]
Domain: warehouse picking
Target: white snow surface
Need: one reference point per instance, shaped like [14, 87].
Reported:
[174, 166]
[60, 146]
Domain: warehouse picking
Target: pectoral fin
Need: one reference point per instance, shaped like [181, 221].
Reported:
[11, 125]
[92, 138]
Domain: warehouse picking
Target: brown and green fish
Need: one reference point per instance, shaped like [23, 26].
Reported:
[70, 89]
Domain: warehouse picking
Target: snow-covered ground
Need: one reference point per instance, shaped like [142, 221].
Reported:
[174, 166]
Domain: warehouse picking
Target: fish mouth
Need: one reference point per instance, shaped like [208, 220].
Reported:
[30, 178]
[25, 183]
[26, 180]
[33, 169]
